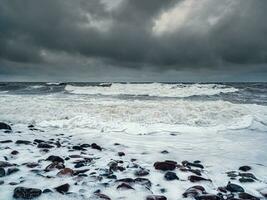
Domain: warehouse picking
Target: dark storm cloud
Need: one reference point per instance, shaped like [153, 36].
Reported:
[125, 33]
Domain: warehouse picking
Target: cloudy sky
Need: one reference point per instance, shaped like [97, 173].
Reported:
[133, 40]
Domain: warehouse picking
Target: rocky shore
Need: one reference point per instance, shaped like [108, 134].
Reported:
[42, 166]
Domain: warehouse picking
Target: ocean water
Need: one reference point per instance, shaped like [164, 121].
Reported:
[222, 124]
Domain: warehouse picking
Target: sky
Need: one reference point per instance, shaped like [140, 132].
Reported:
[133, 40]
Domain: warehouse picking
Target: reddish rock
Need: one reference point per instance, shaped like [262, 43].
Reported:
[165, 166]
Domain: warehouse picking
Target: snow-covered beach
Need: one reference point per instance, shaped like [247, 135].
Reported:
[107, 133]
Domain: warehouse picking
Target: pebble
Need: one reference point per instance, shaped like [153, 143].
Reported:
[63, 188]
[170, 176]
[26, 193]
[165, 166]
[234, 188]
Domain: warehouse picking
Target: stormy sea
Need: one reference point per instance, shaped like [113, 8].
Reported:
[133, 141]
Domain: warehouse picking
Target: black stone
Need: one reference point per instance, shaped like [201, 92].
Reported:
[26, 193]
[63, 188]
[4, 126]
[245, 168]
[26, 142]
[234, 188]
[170, 176]
[44, 146]
[55, 159]
[2, 172]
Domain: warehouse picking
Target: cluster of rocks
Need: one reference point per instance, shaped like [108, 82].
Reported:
[80, 163]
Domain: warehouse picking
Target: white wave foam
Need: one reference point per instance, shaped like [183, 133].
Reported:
[153, 89]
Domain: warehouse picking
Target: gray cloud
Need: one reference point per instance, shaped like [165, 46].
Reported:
[163, 35]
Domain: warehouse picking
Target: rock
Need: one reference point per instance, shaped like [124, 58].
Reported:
[38, 141]
[95, 146]
[222, 189]
[14, 152]
[141, 172]
[65, 172]
[165, 166]
[4, 164]
[208, 197]
[4, 126]
[126, 180]
[246, 180]
[47, 191]
[143, 181]
[125, 186]
[234, 188]
[156, 197]
[164, 152]
[244, 195]
[55, 165]
[121, 154]
[263, 192]
[85, 145]
[55, 159]
[189, 164]
[2, 182]
[102, 196]
[5, 141]
[248, 175]
[194, 191]
[26, 142]
[32, 165]
[170, 176]
[194, 178]
[2, 172]
[245, 168]
[44, 146]
[78, 148]
[12, 171]
[26, 193]
[63, 188]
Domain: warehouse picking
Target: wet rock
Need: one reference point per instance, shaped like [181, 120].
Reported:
[85, 145]
[208, 197]
[194, 178]
[121, 154]
[26, 193]
[141, 172]
[38, 141]
[222, 189]
[165, 166]
[65, 172]
[26, 142]
[164, 152]
[170, 176]
[244, 195]
[47, 191]
[44, 146]
[63, 188]
[12, 171]
[125, 186]
[78, 148]
[246, 180]
[14, 152]
[4, 126]
[2, 182]
[234, 187]
[5, 141]
[102, 196]
[248, 175]
[156, 197]
[77, 172]
[55, 165]
[95, 146]
[245, 168]
[126, 180]
[189, 164]
[55, 159]
[143, 181]
[32, 165]
[263, 192]
[195, 171]
[194, 191]
[2, 172]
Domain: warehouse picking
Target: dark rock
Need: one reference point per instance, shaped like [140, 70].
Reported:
[95, 146]
[264, 192]
[78, 148]
[234, 188]
[194, 191]
[194, 178]
[63, 188]
[32, 165]
[125, 186]
[164, 152]
[47, 191]
[195, 171]
[189, 164]
[65, 172]
[12, 171]
[26, 142]
[143, 181]
[248, 175]
[38, 141]
[4, 126]
[5, 141]
[244, 195]
[245, 168]
[14, 152]
[222, 189]
[170, 176]
[44, 146]
[165, 166]
[126, 180]
[208, 197]
[156, 197]
[246, 180]
[121, 154]
[102, 196]
[2, 182]
[77, 172]
[26, 193]
[141, 172]
[85, 145]
[2, 172]
[55, 165]
[5, 164]
[55, 159]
